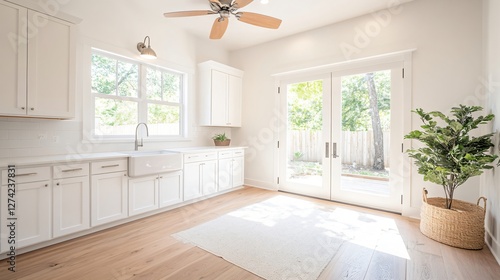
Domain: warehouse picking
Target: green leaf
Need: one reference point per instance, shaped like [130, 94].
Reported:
[450, 154]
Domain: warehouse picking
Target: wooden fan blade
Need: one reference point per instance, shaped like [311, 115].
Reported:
[219, 28]
[241, 3]
[259, 20]
[188, 13]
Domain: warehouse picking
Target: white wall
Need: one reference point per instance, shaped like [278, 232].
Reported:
[491, 180]
[446, 72]
[117, 27]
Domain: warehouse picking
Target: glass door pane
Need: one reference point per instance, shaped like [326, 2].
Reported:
[305, 164]
[363, 133]
[366, 129]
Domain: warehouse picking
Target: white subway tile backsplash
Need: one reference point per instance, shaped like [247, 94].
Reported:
[37, 137]
[23, 143]
[14, 153]
[48, 151]
[5, 153]
[23, 134]
[4, 144]
[4, 134]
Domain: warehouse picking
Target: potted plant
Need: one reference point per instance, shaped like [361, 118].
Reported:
[221, 140]
[449, 157]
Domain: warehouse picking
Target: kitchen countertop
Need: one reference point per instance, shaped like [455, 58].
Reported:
[205, 149]
[54, 159]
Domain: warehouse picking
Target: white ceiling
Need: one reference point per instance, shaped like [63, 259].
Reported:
[297, 15]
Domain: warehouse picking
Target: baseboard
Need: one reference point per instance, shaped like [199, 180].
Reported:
[493, 244]
[260, 185]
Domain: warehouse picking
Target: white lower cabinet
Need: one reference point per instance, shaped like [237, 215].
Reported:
[109, 191]
[200, 178]
[231, 167]
[32, 206]
[71, 202]
[238, 171]
[109, 198]
[70, 198]
[33, 212]
[142, 195]
[170, 188]
[77, 196]
[153, 192]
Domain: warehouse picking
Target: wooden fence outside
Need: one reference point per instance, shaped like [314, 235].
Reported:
[357, 147]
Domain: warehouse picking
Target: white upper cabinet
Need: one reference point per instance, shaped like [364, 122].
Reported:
[14, 57]
[220, 89]
[37, 70]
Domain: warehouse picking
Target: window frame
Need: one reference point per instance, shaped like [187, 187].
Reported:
[141, 100]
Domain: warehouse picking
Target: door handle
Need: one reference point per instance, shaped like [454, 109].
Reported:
[334, 150]
[327, 150]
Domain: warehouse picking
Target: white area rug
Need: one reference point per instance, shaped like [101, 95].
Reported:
[280, 238]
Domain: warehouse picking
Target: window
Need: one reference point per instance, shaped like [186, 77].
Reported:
[127, 92]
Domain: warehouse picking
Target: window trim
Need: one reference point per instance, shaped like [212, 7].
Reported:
[141, 99]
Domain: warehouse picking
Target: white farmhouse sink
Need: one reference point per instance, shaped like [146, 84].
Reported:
[153, 162]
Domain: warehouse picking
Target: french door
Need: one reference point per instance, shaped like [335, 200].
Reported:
[304, 145]
[343, 136]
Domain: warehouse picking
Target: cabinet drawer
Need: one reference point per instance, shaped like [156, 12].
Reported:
[26, 175]
[231, 153]
[71, 170]
[109, 166]
[199, 157]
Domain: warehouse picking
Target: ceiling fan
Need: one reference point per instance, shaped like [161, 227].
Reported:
[226, 8]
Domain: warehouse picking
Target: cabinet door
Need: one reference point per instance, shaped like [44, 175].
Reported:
[170, 188]
[13, 57]
[71, 198]
[33, 211]
[192, 181]
[209, 177]
[142, 195]
[238, 171]
[219, 98]
[109, 198]
[50, 68]
[234, 95]
[225, 174]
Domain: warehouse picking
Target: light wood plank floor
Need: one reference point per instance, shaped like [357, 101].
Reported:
[144, 249]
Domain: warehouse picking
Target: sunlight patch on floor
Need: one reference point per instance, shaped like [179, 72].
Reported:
[367, 230]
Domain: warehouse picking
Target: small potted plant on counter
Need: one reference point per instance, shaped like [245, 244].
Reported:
[221, 140]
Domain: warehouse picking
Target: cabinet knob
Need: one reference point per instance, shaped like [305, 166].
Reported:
[32, 109]
[58, 184]
[22, 108]
[46, 185]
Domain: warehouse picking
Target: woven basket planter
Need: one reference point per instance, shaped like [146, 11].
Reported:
[462, 226]
[222, 143]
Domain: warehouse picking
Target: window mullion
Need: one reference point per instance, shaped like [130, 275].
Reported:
[143, 106]
[116, 78]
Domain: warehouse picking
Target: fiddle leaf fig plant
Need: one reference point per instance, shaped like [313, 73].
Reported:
[451, 155]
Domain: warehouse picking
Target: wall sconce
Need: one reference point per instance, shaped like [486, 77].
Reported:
[146, 52]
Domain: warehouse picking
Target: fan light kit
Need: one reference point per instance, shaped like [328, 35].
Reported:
[146, 51]
[226, 8]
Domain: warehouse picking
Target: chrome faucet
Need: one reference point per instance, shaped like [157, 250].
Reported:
[137, 145]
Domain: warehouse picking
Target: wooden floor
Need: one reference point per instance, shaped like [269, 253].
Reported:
[144, 249]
